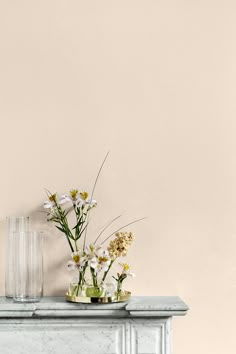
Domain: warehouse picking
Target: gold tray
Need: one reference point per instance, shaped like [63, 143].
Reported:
[124, 297]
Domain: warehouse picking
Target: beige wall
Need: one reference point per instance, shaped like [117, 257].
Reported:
[154, 83]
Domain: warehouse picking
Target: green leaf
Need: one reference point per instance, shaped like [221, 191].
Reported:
[60, 228]
[64, 232]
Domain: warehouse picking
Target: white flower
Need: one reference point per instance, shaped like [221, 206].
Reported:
[126, 270]
[71, 198]
[51, 202]
[83, 200]
[71, 265]
[64, 199]
[100, 260]
[76, 198]
[77, 262]
[92, 251]
[48, 204]
[100, 252]
[99, 264]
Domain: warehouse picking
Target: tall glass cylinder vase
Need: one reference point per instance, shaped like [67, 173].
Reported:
[28, 266]
[14, 224]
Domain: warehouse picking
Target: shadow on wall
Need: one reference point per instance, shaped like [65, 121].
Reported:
[56, 255]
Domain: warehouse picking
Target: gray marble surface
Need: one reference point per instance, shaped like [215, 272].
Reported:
[138, 306]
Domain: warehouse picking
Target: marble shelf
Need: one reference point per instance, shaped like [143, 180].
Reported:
[51, 326]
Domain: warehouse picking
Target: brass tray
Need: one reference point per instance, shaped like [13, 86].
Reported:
[124, 297]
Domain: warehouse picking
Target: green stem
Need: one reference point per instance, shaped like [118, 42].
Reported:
[64, 223]
[121, 229]
[105, 274]
[118, 292]
[59, 216]
[94, 186]
[94, 277]
[106, 228]
[76, 248]
[72, 249]
[79, 283]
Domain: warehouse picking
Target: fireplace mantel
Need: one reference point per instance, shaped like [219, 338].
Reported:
[141, 326]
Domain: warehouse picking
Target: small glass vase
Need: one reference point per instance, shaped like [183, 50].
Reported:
[76, 289]
[94, 291]
[119, 292]
[109, 288]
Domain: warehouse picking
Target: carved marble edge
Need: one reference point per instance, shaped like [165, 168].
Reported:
[157, 303]
[138, 306]
[156, 313]
[80, 313]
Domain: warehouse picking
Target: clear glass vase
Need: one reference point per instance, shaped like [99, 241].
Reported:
[109, 288]
[28, 266]
[94, 291]
[14, 224]
[76, 289]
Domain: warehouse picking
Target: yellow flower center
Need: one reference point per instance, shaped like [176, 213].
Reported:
[102, 259]
[84, 195]
[76, 258]
[73, 193]
[125, 266]
[52, 197]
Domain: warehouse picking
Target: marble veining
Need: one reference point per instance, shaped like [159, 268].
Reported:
[57, 306]
[53, 326]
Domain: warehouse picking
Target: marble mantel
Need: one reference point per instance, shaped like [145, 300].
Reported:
[141, 326]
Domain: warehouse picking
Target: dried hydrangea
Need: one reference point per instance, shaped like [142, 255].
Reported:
[119, 246]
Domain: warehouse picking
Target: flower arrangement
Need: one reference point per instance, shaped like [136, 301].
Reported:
[92, 259]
